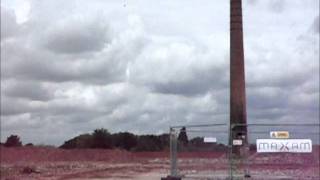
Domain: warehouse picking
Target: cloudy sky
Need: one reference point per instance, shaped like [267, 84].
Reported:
[69, 67]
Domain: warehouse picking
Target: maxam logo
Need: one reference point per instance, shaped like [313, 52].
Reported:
[284, 145]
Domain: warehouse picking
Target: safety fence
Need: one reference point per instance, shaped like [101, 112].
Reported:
[199, 151]
[275, 151]
[256, 151]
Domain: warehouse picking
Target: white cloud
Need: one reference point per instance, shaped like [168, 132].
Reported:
[70, 67]
[9, 26]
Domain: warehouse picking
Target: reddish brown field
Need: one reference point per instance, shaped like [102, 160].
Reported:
[52, 163]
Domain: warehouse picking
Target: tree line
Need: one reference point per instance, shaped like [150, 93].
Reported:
[103, 139]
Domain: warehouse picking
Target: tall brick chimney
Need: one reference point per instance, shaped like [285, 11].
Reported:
[237, 74]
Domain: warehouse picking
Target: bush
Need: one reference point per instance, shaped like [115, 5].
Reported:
[165, 141]
[13, 141]
[84, 141]
[69, 144]
[101, 138]
[124, 140]
[149, 143]
[81, 141]
[29, 145]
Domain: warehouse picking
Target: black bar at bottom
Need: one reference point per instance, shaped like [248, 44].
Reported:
[171, 178]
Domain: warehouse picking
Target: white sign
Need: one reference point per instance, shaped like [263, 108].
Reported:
[237, 142]
[210, 139]
[279, 134]
[284, 145]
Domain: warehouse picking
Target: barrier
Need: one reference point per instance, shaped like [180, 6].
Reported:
[287, 151]
[270, 151]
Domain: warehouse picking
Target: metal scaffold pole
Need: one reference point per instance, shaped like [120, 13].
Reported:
[173, 153]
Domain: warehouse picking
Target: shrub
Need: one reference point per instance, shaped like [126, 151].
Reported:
[124, 140]
[149, 143]
[29, 145]
[165, 141]
[81, 141]
[69, 144]
[101, 138]
[13, 141]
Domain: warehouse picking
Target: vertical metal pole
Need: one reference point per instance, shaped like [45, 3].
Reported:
[247, 155]
[230, 152]
[173, 152]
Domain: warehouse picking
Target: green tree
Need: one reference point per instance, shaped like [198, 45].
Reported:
[81, 141]
[13, 141]
[69, 144]
[29, 145]
[197, 141]
[101, 138]
[84, 141]
[149, 143]
[124, 140]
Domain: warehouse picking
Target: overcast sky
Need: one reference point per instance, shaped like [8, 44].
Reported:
[69, 67]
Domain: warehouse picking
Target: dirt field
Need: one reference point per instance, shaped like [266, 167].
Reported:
[51, 163]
